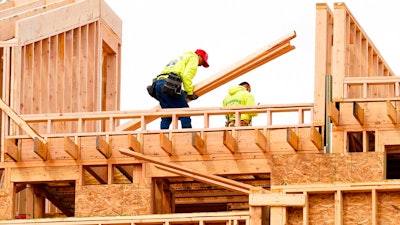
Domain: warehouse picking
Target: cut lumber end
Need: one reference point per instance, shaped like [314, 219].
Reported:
[230, 141]
[261, 140]
[166, 144]
[134, 144]
[103, 146]
[292, 139]
[40, 148]
[198, 143]
[11, 148]
[71, 148]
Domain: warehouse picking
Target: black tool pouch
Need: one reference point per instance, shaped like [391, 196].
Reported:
[173, 86]
[151, 89]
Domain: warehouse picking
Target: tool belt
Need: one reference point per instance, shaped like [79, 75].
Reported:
[242, 123]
[172, 86]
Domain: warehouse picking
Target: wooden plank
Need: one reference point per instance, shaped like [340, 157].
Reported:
[229, 141]
[260, 140]
[10, 25]
[292, 138]
[40, 148]
[134, 144]
[277, 199]
[198, 143]
[166, 144]
[103, 146]
[11, 148]
[71, 148]
[210, 179]
[333, 113]
[42, 173]
[278, 215]
[358, 112]
[316, 138]
[71, 15]
[338, 207]
[391, 112]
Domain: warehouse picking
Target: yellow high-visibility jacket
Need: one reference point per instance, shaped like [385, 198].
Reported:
[184, 66]
[239, 96]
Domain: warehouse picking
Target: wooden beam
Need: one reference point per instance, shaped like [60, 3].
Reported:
[194, 174]
[11, 148]
[103, 146]
[277, 199]
[316, 138]
[134, 144]
[230, 141]
[333, 113]
[358, 112]
[71, 148]
[261, 140]
[391, 112]
[292, 138]
[166, 144]
[198, 143]
[40, 148]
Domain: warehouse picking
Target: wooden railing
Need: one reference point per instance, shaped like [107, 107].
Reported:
[222, 218]
[372, 87]
[269, 116]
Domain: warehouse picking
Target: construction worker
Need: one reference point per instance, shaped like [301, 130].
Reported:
[180, 70]
[239, 96]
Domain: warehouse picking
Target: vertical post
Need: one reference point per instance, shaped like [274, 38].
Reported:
[328, 124]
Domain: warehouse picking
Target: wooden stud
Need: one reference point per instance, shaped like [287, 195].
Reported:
[71, 148]
[230, 141]
[261, 140]
[134, 144]
[316, 138]
[292, 138]
[11, 148]
[358, 112]
[40, 148]
[198, 143]
[103, 146]
[391, 112]
[166, 144]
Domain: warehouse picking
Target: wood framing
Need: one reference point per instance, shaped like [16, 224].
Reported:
[66, 153]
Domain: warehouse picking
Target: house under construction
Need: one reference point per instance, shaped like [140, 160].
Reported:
[69, 156]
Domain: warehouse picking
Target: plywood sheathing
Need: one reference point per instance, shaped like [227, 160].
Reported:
[113, 200]
[327, 168]
[6, 203]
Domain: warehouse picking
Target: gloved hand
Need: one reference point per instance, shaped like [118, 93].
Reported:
[192, 97]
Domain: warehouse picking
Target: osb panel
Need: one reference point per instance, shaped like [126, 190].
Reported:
[388, 208]
[321, 209]
[303, 168]
[357, 208]
[327, 168]
[369, 167]
[113, 200]
[6, 211]
[295, 216]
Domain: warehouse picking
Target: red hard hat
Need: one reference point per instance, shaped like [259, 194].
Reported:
[203, 55]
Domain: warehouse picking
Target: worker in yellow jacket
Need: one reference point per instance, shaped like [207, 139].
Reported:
[178, 71]
[239, 96]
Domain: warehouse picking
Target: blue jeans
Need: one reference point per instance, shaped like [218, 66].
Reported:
[169, 102]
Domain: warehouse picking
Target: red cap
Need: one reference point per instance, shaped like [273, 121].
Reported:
[203, 55]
